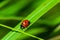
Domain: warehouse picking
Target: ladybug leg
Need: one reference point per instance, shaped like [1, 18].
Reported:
[22, 27]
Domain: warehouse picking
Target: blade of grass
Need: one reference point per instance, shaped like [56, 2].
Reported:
[55, 38]
[52, 17]
[33, 31]
[53, 22]
[4, 2]
[11, 18]
[33, 17]
[55, 31]
[12, 9]
[20, 31]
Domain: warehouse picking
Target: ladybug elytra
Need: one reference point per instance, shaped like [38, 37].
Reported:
[25, 23]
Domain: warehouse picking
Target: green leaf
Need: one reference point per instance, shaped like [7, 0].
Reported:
[20, 31]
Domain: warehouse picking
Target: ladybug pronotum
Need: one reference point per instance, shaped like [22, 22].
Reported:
[25, 23]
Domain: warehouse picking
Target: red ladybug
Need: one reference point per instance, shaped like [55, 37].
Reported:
[25, 23]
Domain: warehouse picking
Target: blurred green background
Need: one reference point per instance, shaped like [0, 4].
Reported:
[13, 12]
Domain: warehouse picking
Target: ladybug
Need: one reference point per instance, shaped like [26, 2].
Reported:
[25, 23]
